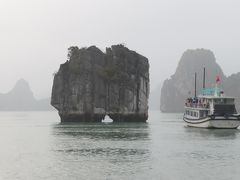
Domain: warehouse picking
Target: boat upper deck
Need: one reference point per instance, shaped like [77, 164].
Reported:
[196, 103]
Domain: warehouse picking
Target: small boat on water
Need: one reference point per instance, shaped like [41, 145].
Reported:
[211, 109]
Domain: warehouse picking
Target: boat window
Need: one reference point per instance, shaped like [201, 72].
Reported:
[221, 110]
[230, 101]
[203, 113]
[216, 101]
[223, 101]
[195, 114]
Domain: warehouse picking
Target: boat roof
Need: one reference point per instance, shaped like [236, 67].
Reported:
[213, 93]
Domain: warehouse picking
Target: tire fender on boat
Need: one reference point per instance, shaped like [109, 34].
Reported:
[225, 116]
[212, 116]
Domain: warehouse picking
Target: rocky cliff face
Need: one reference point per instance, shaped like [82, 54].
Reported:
[181, 85]
[92, 84]
[21, 98]
[231, 87]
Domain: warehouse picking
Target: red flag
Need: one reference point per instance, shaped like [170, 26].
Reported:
[217, 78]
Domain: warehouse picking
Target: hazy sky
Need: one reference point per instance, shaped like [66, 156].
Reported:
[35, 34]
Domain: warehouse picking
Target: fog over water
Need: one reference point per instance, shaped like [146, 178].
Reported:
[35, 34]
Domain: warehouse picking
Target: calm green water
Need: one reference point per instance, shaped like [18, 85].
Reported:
[34, 145]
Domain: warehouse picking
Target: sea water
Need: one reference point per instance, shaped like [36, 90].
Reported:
[35, 145]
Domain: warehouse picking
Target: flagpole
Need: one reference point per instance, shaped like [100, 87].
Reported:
[216, 86]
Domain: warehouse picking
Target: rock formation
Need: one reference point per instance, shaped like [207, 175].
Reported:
[21, 98]
[181, 85]
[231, 87]
[92, 84]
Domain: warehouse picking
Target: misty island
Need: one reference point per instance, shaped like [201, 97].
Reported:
[93, 84]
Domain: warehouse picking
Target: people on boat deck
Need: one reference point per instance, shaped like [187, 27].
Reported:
[195, 102]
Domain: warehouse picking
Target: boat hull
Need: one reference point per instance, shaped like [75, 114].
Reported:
[208, 122]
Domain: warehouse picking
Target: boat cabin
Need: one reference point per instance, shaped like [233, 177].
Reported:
[211, 102]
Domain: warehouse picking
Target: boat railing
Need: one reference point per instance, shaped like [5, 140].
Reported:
[197, 105]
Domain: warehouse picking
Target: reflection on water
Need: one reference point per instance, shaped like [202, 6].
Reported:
[103, 144]
[108, 131]
[210, 133]
[114, 152]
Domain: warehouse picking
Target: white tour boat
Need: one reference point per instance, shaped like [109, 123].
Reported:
[211, 109]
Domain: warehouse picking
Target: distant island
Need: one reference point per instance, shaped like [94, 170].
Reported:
[181, 85]
[21, 98]
[92, 84]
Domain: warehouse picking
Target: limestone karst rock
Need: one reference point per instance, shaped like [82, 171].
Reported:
[92, 84]
[232, 88]
[181, 85]
[21, 98]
